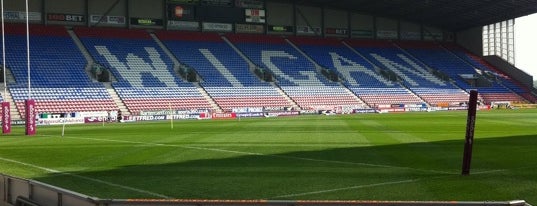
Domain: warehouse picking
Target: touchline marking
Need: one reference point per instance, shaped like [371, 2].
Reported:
[381, 184]
[266, 155]
[85, 178]
[347, 188]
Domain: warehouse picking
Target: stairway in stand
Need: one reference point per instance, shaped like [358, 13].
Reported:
[124, 110]
[15, 114]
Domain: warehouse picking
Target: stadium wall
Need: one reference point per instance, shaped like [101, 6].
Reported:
[386, 28]
[509, 69]
[65, 12]
[362, 26]
[146, 14]
[285, 17]
[309, 20]
[336, 23]
[97, 8]
[471, 39]
[410, 31]
[13, 10]
[282, 18]
[17, 191]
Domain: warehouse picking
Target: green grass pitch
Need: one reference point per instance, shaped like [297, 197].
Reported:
[407, 156]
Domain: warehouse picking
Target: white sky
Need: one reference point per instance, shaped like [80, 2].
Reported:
[526, 44]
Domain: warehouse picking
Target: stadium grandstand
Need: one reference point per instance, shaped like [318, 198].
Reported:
[220, 57]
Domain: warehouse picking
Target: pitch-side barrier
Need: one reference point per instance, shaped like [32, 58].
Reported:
[22, 192]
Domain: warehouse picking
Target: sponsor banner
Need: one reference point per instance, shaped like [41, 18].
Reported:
[251, 114]
[386, 34]
[146, 22]
[308, 111]
[21, 15]
[65, 17]
[183, 116]
[191, 2]
[18, 122]
[283, 113]
[207, 26]
[57, 121]
[96, 119]
[308, 30]
[254, 15]
[224, 115]
[392, 110]
[127, 119]
[226, 3]
[360, 111]
[253, 4]
[100, 119]
[362, 33]
[183, 25]
[108, 19]
[147, 118]
[249, 28]
[415, 105]
[277, 28]
[337, 31]
[205, 116]
[458, 108]
[416, 109]
[181, 12]
[410, 35]
[265, 109]
[247, 109]
[168, 112]
[30, 117]
[6, 118]
[93, 114]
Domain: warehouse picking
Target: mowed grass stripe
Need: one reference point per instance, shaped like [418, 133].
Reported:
[268, 155]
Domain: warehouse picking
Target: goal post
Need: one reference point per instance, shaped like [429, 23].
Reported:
[470, 125]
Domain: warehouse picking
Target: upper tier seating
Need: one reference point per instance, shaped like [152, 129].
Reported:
[226, 76]
[294, 73]
[58, 81]
[358, 74]
[496, 74]
[439, 58]
[412, 73]
[145, 77]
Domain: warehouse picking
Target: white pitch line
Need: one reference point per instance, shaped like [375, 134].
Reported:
[347, 188]
[85, 178]
[266, 155]
[168, 145]
[361, 163]
[380, 184]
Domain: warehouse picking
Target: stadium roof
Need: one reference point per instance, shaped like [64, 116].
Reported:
[454, 15]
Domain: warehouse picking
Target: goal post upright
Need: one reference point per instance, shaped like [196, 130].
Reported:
[470, 126]
[6, 112]
[29, 104]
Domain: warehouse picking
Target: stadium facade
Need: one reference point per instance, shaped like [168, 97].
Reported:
[230, 56]
[187, 59]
